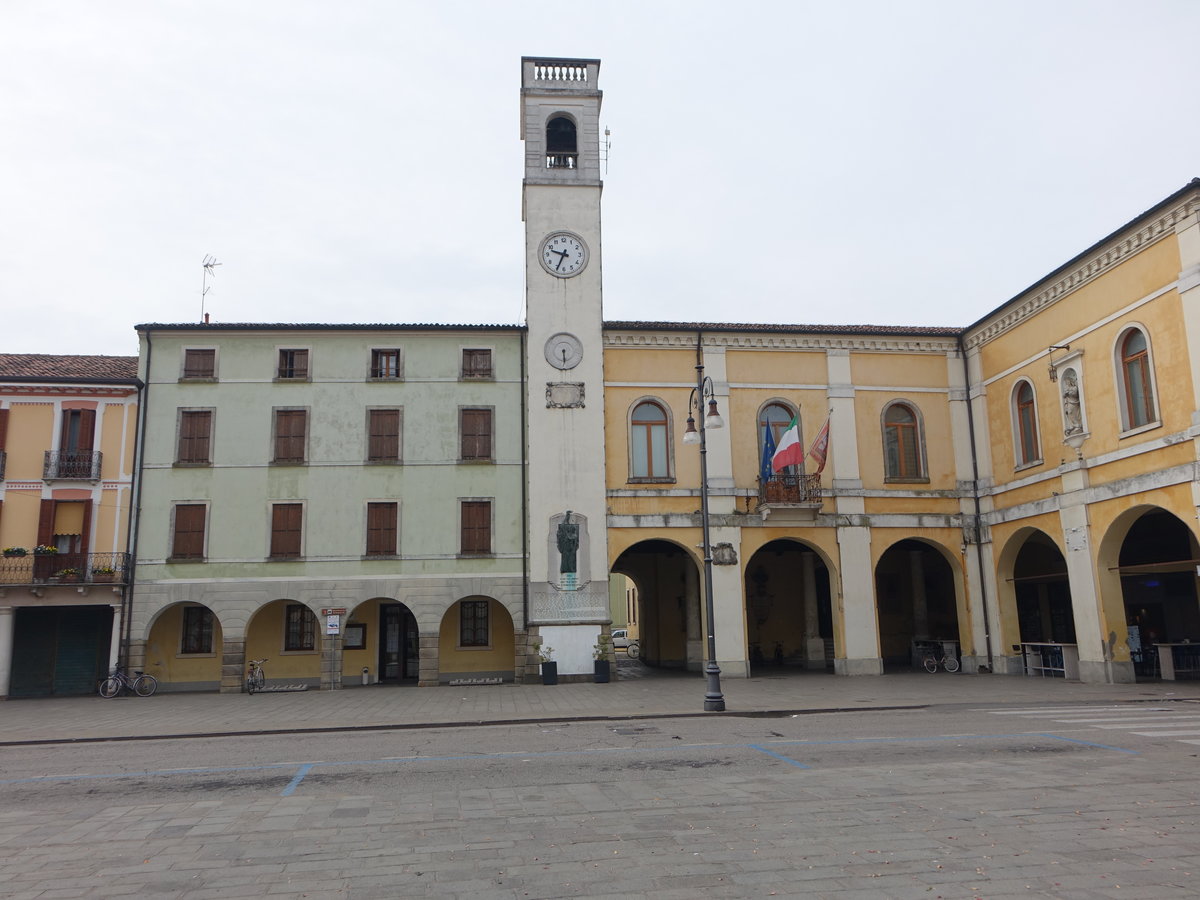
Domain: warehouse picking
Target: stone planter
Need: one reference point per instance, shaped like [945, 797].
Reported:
[549, 673]
[602, 671]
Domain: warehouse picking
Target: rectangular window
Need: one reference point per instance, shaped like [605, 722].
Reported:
[199, 363]
[195, 430]
[291, 428]
[473, 623]
[381, 529]
[385, 363]
[475, 426]
[188, 540]
[197, 630]
[476, 526]
[383, 438]
[299, 629]
[78, 431]
[477, 364]
[293, 364]
[286, 521]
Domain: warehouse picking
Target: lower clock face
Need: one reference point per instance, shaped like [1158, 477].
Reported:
[564, 350]
[563, 254]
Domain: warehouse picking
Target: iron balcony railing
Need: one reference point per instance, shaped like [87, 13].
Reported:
[3, 460]
[65, 568]
[81, 465]
[783, 488]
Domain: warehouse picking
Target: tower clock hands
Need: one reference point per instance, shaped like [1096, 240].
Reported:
[562, 255]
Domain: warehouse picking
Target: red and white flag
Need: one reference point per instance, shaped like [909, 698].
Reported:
[820, 446]
[789, 451]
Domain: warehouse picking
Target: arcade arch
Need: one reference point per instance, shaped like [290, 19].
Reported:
[789, 614]
[183, 648]
[915, 601]
[666, 576]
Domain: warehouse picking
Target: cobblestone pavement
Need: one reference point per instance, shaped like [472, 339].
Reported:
[921, 786]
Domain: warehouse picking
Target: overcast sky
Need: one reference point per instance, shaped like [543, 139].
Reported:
[822, 162]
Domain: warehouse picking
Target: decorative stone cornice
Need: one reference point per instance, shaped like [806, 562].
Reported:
[1084, 269]
[816, 342]
[65, 390]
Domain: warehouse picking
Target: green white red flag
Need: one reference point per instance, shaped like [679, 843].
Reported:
[789, 451]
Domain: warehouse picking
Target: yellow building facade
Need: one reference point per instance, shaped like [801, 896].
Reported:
[1019, 495]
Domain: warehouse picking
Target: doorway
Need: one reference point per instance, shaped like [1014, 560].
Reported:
[399, 644]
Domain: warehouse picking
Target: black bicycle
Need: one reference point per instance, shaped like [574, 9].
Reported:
[140, 683]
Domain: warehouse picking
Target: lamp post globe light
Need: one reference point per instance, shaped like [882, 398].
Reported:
[714, 700]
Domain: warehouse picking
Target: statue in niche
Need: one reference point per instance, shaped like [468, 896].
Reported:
[568, 545]
[1072, 415]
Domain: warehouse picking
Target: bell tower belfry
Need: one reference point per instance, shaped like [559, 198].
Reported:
[568, 547]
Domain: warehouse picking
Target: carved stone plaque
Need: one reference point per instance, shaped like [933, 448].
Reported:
[564, 395]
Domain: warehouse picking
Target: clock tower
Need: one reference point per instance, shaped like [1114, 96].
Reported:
[568, 547]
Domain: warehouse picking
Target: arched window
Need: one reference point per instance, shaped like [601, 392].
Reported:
[1025, 412]
[649, 456]
[1136, 382]
[561, 146]
[903, 455]
[777, 418]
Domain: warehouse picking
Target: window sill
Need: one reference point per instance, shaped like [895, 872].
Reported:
[1141, 429]
[198, 379]
[173, 560]
[285, 559]
[384, 462]
[1032, 464]
[289, 462]
[180, 464]
[312, 652]
[297, 379]
[647, 479]
[209, 655]
[899, 479]
[488, 377]
[482, 554]
[473, 648]
[476, 462]
[385, 378]
[370, 556]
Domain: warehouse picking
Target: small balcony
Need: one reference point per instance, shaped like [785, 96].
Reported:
[65, 568]
[793, 498]
[72, 465]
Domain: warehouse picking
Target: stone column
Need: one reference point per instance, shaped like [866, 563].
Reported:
[114, 642]
[428, 667]
[6, 648]
[331, 662]
[814, 646]
[916, 572]
[233, 666]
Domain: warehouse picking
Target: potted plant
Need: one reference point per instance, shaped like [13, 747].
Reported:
[45, 550]
[549, 666]
[104, 574]
[68, 575]
[15, 551]
[601, 652]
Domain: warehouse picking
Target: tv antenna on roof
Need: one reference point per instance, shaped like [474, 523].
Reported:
[605, 147]
[209, 264]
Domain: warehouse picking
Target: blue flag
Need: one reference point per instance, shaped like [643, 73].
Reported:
[764, 470]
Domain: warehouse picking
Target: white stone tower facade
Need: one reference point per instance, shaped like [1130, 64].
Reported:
[568, 555]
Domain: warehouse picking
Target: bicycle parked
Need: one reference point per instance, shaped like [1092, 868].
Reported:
[932, 661]
[256, 679]
[140, 683]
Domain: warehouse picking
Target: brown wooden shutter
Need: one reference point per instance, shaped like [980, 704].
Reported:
[3, 427]
[85, 534]
[188, 542]
[285, 529]
[301, 364]
[384, 440]
[290, 426]
[199, 363]
[476, 526]
[45, 532]
[381, 529]
[476, 426]
[87, 430]
[195, 427]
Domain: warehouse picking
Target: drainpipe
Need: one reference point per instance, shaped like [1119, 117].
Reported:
[131, 534]
[987, 628]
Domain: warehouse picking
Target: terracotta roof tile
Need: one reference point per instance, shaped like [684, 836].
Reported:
[41, 365]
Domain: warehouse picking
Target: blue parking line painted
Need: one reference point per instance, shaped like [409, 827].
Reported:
[1059, 737]
[779, 756]
[295, 782]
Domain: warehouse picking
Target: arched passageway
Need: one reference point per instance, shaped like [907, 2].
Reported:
[915, 603]
[476, 643]
[183, 648]
[381, 636]
[1043, 594]
[1157, 565]
[789, 616]
[668, 592]
[287, 635]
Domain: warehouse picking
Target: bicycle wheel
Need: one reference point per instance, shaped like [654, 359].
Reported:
[930, 664]
[951, 664]
[260, 679]
[145, 685]
[634, 650]
[249, 684]
[110, 687]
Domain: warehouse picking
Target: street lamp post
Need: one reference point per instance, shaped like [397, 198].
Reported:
[714, 700]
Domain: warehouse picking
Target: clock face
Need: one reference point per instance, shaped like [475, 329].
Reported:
[564, 350]
[563, 254]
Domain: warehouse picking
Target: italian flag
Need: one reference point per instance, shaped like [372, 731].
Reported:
[789, 451]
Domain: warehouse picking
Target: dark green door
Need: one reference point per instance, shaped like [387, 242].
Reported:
[60, 650]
